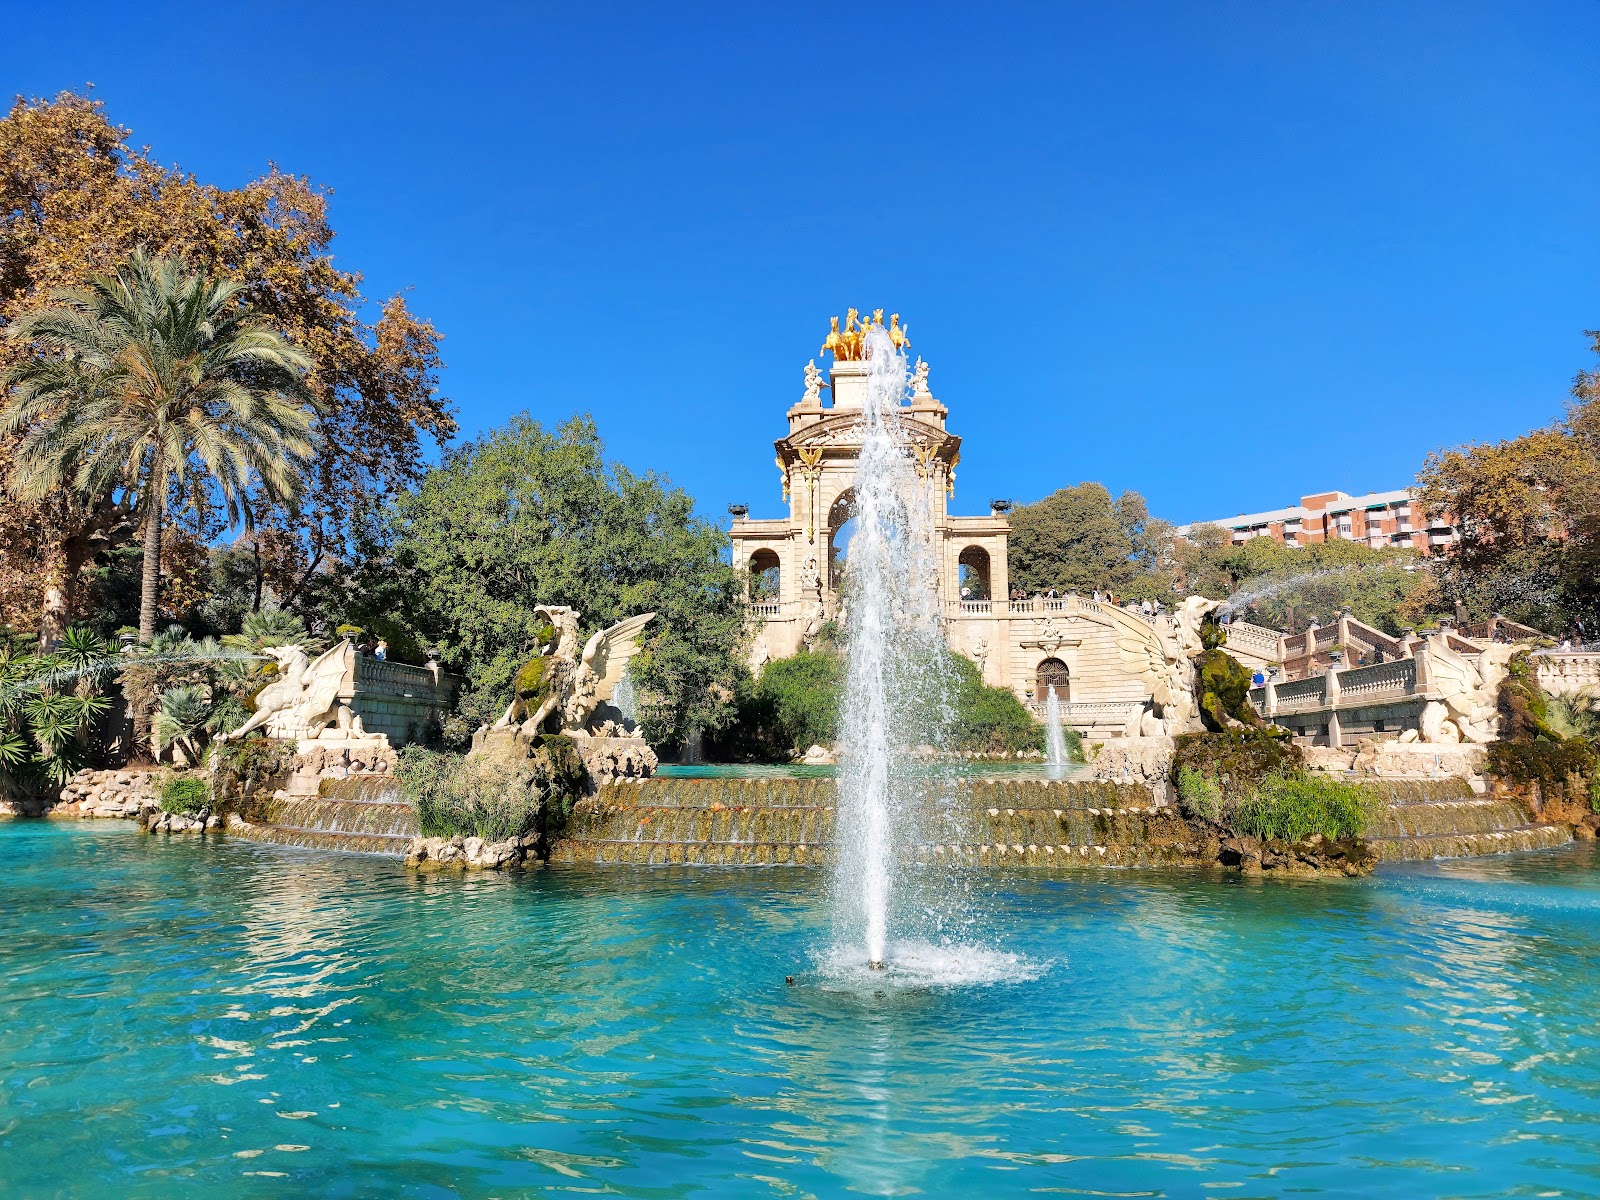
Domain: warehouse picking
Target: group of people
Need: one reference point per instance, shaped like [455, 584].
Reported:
[1149, 609]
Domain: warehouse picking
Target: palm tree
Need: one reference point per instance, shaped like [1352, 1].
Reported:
[154, 381]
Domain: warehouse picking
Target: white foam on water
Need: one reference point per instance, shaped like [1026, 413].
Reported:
[919, 965]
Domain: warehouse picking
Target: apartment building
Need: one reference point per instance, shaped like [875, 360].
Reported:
[1377, 518]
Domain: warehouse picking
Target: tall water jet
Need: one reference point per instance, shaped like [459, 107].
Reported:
[1055, 739]
[894, 688]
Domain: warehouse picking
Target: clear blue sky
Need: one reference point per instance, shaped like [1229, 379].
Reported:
[1220, 253]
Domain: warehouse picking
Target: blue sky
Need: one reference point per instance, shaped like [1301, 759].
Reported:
[1220, 253]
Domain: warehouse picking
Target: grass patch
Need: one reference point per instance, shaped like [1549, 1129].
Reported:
[1292, 808]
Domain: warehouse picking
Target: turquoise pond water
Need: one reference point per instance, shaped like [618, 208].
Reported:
[231, 1019]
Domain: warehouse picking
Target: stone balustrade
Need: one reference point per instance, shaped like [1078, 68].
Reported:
[397, 699]
[1567, 672]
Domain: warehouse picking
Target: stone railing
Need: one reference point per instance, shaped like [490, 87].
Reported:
[1256, 638]
[381, 675]
[1294, 696]
[397, 699]
[1089, 714]
[1349, 688]
[1567, 672]
[1398, 678]
[975, 606]
[766, 608]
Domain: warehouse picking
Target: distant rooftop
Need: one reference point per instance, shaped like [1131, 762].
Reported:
[1316, 503]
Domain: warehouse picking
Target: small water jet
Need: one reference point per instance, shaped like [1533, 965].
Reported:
[1055, 738]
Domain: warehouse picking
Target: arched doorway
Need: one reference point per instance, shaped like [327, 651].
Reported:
[765, 577]
[1052, 673]
[972, 574]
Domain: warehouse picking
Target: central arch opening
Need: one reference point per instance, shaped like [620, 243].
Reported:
[765, 577]
[841, 528]
[973, 573]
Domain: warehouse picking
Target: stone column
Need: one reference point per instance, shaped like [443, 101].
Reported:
[1270, 697]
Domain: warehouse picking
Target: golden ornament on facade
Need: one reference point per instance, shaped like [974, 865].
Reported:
[850, 343]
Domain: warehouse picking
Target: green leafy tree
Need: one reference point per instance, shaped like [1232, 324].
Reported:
[524, 516]
[1529, 508]
[156, 383]
[1079, 539]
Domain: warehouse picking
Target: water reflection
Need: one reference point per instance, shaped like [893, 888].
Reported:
[201, 1016]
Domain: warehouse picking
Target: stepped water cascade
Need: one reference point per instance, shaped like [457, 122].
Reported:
[1055, 739]
[362, 815]
[894, 699]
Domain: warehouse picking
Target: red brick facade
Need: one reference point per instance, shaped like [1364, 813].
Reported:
[1378, 519]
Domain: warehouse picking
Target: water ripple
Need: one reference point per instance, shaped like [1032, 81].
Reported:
[212, 1018]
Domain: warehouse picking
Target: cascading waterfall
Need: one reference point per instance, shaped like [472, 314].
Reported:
[625, 697]
[1056, 740]
[894, 696]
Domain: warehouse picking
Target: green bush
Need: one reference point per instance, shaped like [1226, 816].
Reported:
[517, 790]
[793, 706]
[184, 794]
[991, 720]
[1292, 808]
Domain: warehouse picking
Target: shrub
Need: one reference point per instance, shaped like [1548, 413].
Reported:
[520, 790]
[185, 794]
[794, 705]
[1292, 808]
[991, 720]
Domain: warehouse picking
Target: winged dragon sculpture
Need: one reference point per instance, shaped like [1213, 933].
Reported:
[573, 684]
[1468, 689]
[304, 698]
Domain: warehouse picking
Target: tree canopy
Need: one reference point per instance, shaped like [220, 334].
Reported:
[1529, 511]
[76, 198]
[523, 516]
[1079, 539]
[153, 380]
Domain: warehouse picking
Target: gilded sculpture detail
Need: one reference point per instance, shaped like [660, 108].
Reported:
[850, 343]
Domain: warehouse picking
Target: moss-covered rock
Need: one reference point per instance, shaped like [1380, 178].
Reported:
[1239, 760]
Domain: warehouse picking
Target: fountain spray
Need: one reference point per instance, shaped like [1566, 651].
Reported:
[894, 648]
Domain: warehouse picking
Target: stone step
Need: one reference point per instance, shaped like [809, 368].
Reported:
[1470, 845]
[390, 845]
[1032, 856]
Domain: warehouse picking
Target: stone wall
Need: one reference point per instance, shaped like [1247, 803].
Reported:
[119, 795]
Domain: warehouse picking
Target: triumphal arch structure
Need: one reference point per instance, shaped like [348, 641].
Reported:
[1105, 663]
